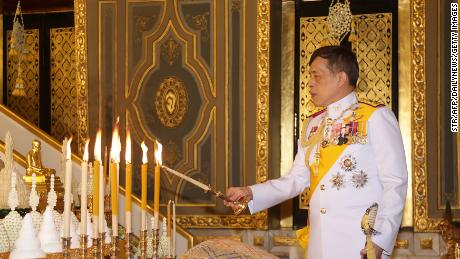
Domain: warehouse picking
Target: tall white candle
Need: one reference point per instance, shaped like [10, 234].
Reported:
[84, 191]
[68, 189]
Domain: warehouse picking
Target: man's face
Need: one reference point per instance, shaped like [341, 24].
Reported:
[324, 83]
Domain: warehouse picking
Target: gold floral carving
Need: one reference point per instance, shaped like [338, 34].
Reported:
[171, 153]
[82, 71]
[170, 51]
[200, 239]
[171, 102]
[402, 244]
[200, 22]
[284, 241]
[262, 108]
[422, 223]
[218, 221]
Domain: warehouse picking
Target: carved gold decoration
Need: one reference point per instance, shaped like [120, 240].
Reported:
[141, 25]
[402, 244]
[236, 5]
[284, 241]
[199, 239]
[258, 241]
[82, 71]
[451, 236]
[200, 22]
[64, 97]
[220, 221]
[426, 243]
[422, 223]
[171, 102]
[170, 51]
[373, 51]
[262, 108]
[26, 106]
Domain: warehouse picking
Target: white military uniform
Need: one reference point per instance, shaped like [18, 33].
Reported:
[336, 211]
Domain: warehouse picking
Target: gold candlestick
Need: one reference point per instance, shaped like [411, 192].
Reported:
[143, 244]
[83, 246]
[114, 247]
[101, 244]
[66, 247]
[95, 248]
[155, 242]
[128, 252]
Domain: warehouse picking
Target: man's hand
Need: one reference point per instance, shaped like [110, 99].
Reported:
[378, 251]
[237, 194]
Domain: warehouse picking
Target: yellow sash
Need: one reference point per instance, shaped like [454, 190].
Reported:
[328, 157]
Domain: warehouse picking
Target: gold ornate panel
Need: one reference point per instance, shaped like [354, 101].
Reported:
[27, 106]
[64, 102]
[172, 70]
[373, 51]
[81, 64]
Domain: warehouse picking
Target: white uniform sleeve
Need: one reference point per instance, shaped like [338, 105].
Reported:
[385, 137]
[272, 192]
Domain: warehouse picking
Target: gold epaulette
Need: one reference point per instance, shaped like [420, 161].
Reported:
[372, 104]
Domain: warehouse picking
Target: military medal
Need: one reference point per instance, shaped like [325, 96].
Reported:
[348, 163]
[338, 181]
[359, 179]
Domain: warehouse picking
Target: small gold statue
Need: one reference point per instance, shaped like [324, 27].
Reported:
[34, 162]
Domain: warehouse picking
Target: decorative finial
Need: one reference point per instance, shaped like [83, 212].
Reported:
[34, 199]
[13, 200]
[52, 196]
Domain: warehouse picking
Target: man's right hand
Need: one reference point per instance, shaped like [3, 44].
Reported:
[237, 194]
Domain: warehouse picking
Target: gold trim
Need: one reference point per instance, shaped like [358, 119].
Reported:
[37, 132]
[81, 60]
[258, 241]
[402, 244]
[218, 221]
[263, 84]
[426, 243]
[17, 157]
[284, 241]
[405, 101]
[199, 239]
[190, 238]
[422, 222]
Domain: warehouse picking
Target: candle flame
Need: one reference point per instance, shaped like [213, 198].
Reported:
[128, 147]
[97, 146]
[116, 146]
[144, 153]
[85, 154]
[158, 153]
[68, 153]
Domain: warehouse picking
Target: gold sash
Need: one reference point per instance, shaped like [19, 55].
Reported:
[328, 157]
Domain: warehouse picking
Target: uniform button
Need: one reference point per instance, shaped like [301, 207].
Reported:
[322, 187]
[323, 211]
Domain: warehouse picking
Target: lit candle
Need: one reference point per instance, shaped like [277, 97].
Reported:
[84, 190]
[96, 182]
[128, 184]
[114, 162]
[144, 187]
[156, 200]
[68, 189]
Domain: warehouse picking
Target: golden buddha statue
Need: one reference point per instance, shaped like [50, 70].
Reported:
[34, 162]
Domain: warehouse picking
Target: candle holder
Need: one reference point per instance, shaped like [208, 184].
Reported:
[83, 246]
[128, 252]
[101, 243]
[95, 248]
[155, 242]
[66, 246]
[114, 247]
[143, 244]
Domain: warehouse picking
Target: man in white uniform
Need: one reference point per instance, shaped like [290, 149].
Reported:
[351, 156]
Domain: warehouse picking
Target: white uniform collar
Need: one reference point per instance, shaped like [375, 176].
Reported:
[334, 110]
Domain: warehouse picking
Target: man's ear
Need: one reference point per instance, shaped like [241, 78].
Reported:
[343, 78]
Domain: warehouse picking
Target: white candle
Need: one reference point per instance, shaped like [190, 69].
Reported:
[84, 191]
[174, 231]
[101, 199]
[68, 189]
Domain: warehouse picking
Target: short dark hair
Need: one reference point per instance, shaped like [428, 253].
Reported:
[339, 59]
